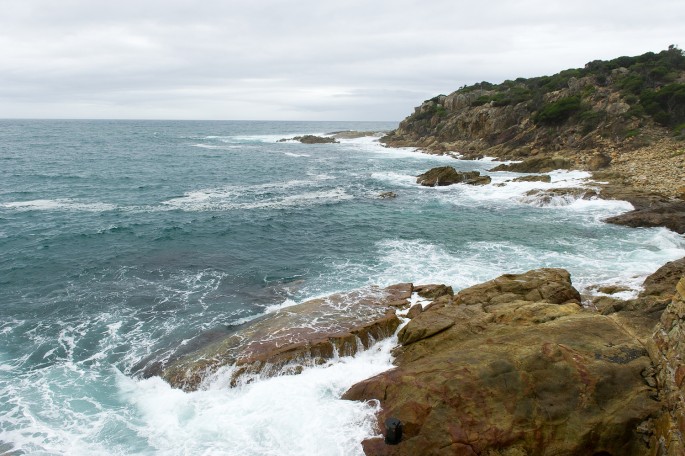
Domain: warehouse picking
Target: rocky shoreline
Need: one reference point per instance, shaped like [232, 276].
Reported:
[515, 366]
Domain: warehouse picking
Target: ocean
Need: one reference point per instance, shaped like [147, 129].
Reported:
[123, 241]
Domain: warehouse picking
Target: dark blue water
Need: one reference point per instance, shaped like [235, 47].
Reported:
[122, 240]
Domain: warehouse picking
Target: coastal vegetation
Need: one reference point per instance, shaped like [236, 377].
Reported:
[626, 103]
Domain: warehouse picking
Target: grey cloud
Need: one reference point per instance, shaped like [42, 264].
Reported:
[309, 59]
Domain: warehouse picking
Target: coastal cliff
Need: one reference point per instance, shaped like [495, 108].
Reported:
[625, 116]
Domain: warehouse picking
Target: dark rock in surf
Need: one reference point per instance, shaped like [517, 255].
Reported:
[311, 139]
[285, 341]
[447, 175]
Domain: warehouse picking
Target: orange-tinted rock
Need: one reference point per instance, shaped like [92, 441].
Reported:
[514, 366]
[287, 340]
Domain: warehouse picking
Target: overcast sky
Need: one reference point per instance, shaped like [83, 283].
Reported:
[298, 59]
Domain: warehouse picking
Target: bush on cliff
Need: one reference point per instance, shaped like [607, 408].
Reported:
[557, 112]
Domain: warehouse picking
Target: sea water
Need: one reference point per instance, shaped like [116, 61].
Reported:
[123, 241]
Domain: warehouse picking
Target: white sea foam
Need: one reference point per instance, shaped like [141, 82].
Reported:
[58, 205]
[291, 154]
[269, 196]
[218, 147]
[287, 415]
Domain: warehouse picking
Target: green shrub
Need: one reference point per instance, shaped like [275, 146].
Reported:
[558, 112]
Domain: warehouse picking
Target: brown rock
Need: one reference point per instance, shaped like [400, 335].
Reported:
[568, 194]
[414, 311]
[664, 281]
[447, 175]
[515, 366]
[541, 178]
[536, 165]
[433, 291]
[597, 162]
[670, 214]
[285, 341]
[311, 139]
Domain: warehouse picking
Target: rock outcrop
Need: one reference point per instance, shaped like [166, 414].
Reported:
[447, 175]
[536, 165]
[516, 366]
[311, 139]
[558, 196]
[285, 341]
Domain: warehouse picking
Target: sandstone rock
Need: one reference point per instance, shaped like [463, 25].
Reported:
[447, 175]
[285, 341]
[415, 310]
[680, 192]
[515, 366]
[541, 178]
[311, 139]
[663, 282]
[666, 348]
[536, 165]
[433, 291]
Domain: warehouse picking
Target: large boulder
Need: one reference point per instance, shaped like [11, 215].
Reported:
[447, 175]
[536, 165]
[670, 214]
[515, 366]
[286, 341]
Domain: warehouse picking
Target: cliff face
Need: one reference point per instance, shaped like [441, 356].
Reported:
[624, 103]
[668, 351]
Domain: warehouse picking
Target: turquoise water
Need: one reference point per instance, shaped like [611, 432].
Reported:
[122, 240]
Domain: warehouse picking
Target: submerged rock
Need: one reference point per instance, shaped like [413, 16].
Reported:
[311, 139]
[388, 195]
[515, 366]
[294, 337]
[536, 165]
[447, 175]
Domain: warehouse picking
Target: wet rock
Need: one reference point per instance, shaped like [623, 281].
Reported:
[541, 178]
[536, 165]
[388, 195]
[286, 341]
[560, 196]
[447, 175]
[433, 291]
[311, 139]
[669, 214]
[514, 366]
[414, 311]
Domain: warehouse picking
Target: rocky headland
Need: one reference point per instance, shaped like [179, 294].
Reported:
[522, 364]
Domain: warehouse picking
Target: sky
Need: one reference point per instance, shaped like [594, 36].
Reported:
[298, 59]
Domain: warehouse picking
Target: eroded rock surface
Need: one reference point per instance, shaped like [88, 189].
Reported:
[515, 366]
[294, 337]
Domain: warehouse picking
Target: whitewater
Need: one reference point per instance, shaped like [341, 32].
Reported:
[122, 242]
